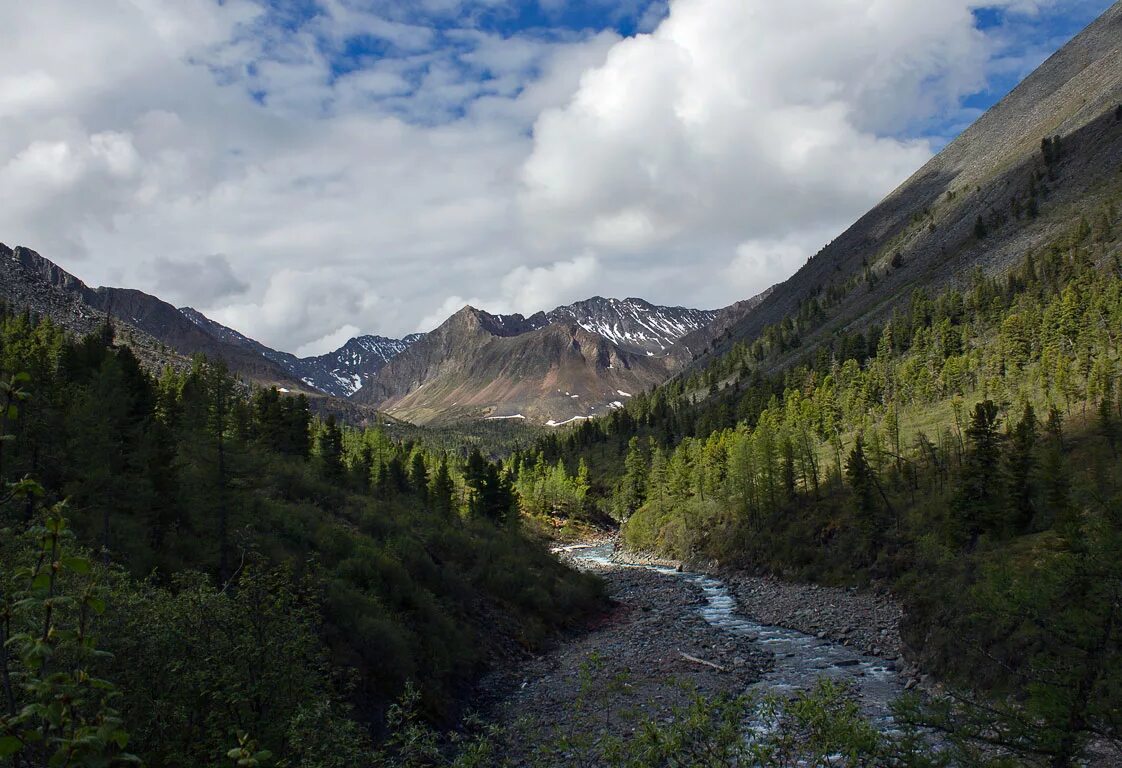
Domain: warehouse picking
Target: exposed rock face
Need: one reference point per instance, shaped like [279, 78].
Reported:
[344, 371]
[924, 233]
[634, 324]
[28, 281]
[340, 373]
[159, 333]
[574, 362]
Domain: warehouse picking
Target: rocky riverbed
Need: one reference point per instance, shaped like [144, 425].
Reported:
[644, 659]
[672, 632]
[865, 620]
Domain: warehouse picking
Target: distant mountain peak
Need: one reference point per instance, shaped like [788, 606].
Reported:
[549, 367]
[341, 372]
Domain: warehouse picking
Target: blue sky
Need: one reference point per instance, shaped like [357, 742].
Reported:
[308, 170]
[1030, 40]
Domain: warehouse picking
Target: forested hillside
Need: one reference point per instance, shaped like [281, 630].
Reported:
[965, 453]
[191, 563]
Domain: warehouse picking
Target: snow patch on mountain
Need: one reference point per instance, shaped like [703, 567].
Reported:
[340, 373]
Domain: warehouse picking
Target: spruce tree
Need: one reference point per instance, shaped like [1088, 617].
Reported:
[866, 507]
[330, 447]
[1108, 426]
[1055, 478]
[635, 470]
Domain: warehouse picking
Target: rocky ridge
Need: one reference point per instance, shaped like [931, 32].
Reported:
[574, 362]
[340, 373]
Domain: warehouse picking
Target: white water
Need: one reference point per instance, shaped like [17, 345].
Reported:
[800, 659]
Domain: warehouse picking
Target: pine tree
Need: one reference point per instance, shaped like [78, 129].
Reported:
[980, 229]
[475, 478]
[493, 497]
[634, 488]
[581, 485]
[330, 448]
[219, 388]
[362, 467]
[1055, 478]
[1108, 426]
[866, 507]
[789, 469]
[656, 483]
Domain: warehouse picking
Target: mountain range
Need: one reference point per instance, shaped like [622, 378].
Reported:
[572, 362]
[1005, 187]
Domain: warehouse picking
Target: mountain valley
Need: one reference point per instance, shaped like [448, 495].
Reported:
[870, 517]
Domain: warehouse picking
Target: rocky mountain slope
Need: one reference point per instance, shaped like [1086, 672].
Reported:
[28, 281]
[574, 362]
[154, 328]
[1005, 187]
[340, 373]
[344, 371]
[634, 324]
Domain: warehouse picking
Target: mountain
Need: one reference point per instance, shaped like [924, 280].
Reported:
[340, 373]
[1005, 187]
[634, 324]
[157, 329]
[573, 362]
[344, 371]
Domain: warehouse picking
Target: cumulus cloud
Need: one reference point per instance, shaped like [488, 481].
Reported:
[527, 290]
[331, 341]
[371, 166]
[738, 123]
[531, 289]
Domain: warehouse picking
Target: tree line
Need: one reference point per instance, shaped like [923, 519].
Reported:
[191, 565]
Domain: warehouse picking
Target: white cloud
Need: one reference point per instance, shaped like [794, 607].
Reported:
[769, 257]
[528, 290]
[367, 192]
[331, 341]
[744, 120]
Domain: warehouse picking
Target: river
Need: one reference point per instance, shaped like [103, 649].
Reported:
[800, 659]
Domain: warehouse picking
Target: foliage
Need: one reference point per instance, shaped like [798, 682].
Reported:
[267, 573]
[911, 454]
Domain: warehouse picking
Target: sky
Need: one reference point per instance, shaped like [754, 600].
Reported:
[309, 170]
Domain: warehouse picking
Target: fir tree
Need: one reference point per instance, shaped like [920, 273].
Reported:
[419, 477]
[976, 505]
[1020, 466]
[442, 491]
